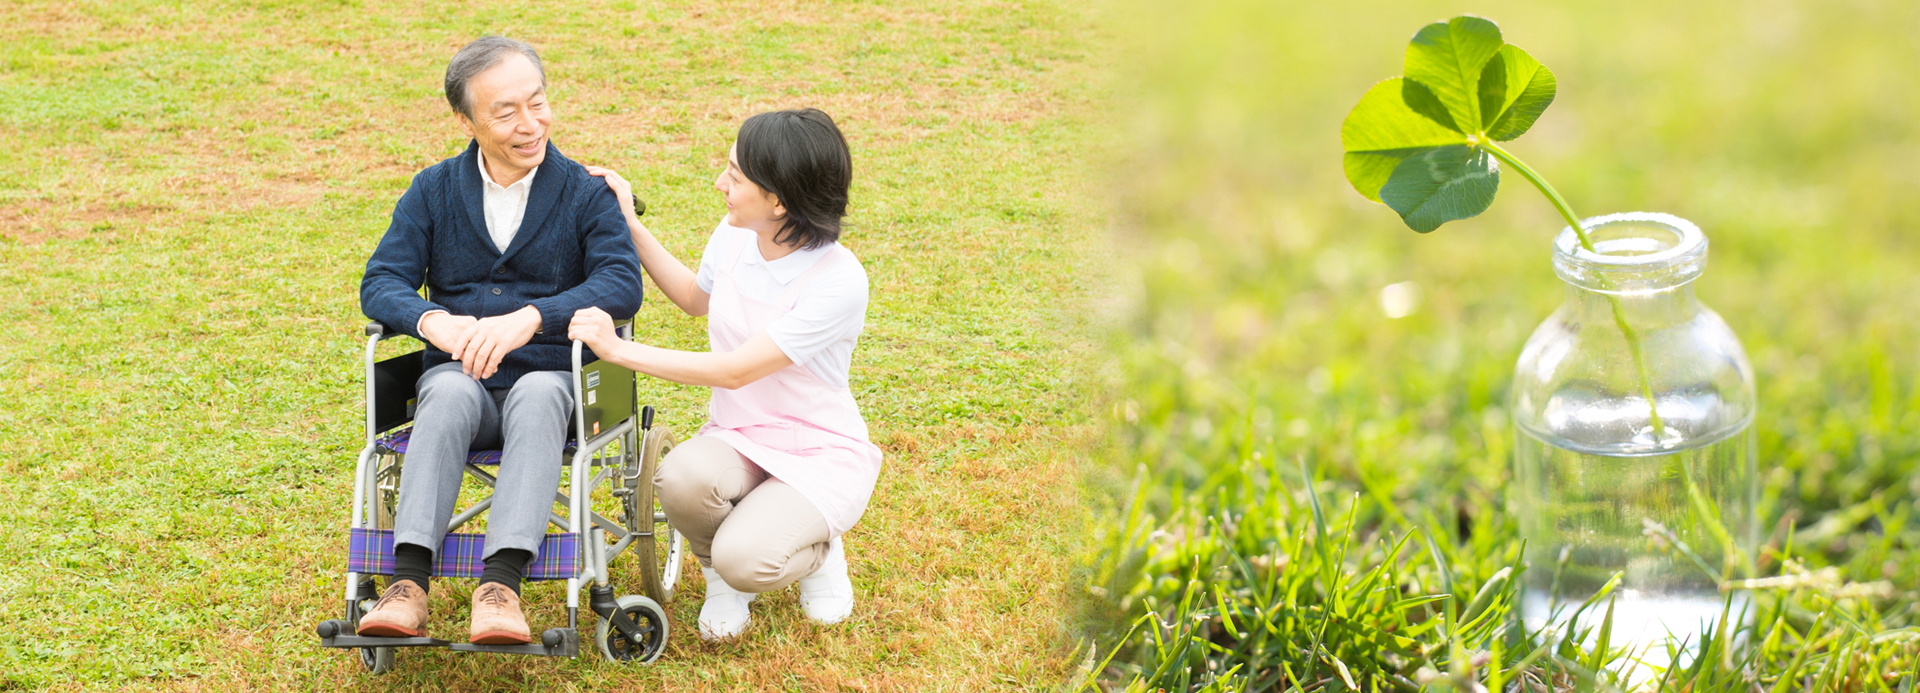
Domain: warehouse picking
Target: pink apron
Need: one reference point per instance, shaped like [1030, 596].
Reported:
[798, 428]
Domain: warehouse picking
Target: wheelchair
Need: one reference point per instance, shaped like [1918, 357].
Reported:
[613, 442]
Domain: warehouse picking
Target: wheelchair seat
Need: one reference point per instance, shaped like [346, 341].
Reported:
[395, 442]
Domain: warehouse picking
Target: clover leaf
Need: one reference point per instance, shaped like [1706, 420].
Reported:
[1441, 184]
[1423, 143]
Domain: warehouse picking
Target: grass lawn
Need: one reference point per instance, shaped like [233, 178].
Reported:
[1257, 340]
[186, 208]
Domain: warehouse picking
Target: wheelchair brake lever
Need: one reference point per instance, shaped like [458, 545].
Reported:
[630, 472]
[631, 475]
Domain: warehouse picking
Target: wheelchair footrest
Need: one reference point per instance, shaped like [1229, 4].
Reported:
[568, 648]
[370, 552]
[556, 642]
[364, 641]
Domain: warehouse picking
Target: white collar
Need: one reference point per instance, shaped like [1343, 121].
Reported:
[526, 180]
[789, 266]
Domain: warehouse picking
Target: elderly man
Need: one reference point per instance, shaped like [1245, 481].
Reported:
[510, 239]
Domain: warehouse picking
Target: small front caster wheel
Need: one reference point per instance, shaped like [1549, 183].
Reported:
[377, 660]
[369, 595]
[642, 646]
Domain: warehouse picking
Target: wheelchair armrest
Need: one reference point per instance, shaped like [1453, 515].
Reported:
[380, 332]
[623, 328]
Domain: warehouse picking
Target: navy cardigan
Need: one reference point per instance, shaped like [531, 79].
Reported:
[572, 251]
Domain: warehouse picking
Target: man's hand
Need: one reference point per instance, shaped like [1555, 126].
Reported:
[594, 327]
[480, 348]
[443, 330]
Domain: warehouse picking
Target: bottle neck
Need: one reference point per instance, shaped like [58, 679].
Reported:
[1643, 262]
[1646, 310]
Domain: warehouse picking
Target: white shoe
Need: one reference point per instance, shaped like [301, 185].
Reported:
[827, 594]
[724, 614]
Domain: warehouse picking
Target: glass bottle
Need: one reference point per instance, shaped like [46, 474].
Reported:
[1603, 486]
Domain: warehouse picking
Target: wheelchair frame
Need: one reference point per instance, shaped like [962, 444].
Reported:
[631, 627]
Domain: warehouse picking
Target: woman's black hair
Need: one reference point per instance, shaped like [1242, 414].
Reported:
[801, 157]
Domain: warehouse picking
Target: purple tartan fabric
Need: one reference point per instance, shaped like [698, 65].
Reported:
[370, 551]
[396, 442]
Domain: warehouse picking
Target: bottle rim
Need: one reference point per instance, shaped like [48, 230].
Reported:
[1665, 252]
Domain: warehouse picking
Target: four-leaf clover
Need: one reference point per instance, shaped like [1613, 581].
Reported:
[1423, 143]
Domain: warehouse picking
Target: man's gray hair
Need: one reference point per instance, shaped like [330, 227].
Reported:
[479, 56]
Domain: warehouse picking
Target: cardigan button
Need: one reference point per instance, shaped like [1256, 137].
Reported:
[499, 270]
[496, 291]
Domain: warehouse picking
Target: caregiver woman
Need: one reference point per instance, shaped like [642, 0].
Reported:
[783, 466]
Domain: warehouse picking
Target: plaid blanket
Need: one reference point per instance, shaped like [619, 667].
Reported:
[370, 552]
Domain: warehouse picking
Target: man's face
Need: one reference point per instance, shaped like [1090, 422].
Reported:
[510, 118]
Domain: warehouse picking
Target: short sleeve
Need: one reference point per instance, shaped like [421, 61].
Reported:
[831, 310]
[719, 248]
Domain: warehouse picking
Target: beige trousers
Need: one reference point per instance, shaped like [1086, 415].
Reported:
[754, 530]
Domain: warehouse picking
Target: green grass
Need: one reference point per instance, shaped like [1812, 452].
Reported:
[1254, 346]
[186, 206]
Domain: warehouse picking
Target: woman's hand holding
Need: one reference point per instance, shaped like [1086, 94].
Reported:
[621, 189]
[594, 327]
[678, 283]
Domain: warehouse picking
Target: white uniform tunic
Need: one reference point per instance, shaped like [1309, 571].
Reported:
[800, 424]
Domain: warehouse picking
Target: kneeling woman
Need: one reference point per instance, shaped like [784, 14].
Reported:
[783, 466]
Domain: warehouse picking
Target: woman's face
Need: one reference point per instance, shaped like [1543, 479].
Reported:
[748, 205]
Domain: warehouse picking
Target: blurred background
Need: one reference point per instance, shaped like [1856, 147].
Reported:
[1275, 316]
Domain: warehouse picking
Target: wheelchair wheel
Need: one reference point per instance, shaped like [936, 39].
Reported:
[377, 660]
[661, 558]
[624, 648]
[369, 594]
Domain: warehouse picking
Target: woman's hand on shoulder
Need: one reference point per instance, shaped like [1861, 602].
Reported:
[594, 327]
[621, 188]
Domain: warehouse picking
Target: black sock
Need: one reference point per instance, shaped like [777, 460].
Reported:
[412, 562]
[507, 567]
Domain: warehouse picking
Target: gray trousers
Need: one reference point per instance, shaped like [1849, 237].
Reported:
[454, 414]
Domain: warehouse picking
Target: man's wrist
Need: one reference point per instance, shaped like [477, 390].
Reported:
[420, 326]
[529, 312]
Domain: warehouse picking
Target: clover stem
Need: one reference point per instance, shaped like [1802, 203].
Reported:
[1559, 203]
[1619, 311]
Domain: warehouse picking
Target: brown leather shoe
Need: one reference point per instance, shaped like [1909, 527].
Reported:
[400, 613]
[496, 617]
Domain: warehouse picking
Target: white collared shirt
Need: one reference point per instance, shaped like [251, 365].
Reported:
[504, 206]
[824, 325]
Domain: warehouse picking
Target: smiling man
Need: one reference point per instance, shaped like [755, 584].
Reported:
[510, 239]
